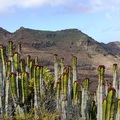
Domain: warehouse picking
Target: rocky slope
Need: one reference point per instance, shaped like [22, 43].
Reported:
[66, 43]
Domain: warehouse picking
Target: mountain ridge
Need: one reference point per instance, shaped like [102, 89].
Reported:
[44, 44]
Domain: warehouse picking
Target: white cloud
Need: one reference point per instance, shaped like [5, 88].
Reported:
[92, 6]
[71, 6]
[6, 5]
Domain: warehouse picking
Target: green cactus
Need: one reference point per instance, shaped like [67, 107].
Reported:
[58, 89]
[32, 63]
[13, 85]
[101, 71]
[36, 60]
[111, 103]
[8, 67]
[7, 84]
[56, 68]
[104, 112]
[115, 81]
[25, 87]
[75, 92]
[10, 48]
[86, 83]
[100, 91]
[22, 65]
[28, 64]
[74, 65]
[65, 84]
[16, 61]
[3, 57]
[36, 85]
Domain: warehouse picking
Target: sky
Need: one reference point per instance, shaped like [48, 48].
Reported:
[100, 19]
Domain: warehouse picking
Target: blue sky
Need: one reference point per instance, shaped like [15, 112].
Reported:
[99, 19]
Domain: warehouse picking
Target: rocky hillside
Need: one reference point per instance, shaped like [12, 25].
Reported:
[66, 43]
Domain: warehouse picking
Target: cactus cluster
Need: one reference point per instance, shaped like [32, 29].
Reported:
[26, 85]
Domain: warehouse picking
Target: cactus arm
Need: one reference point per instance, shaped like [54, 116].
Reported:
[115, 82]
[58, 87]
[74, 65]
[41, 84]
[56, 68]
[16, 61]
[13, 87]
[22, 65]
[10, 48]
[104, 109]
[3, 57]
[32, 63]
[25, 87]
[110, 103]
[100, 91]
[36, 85]
[28, 63]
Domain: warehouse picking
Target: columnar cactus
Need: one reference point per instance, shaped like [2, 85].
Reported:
[22, 65]
[25, 87]
[56, 68]
[85, 100]
[16, 68]
[86, 84]
[64, 95]
[28, 63]
[115, 81]
[111, 99]
[36, 60]
[76, 99]
[16, 59]
[13, 87]
[23, 82]
[42, 90]
[70, 86]
[104, 112]
[7, 84]
[10, 48]
[107, 85]
[32, 63]
[3, 57]
[101, 91]
[36, 86]
[58, 101]
[74, 66]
